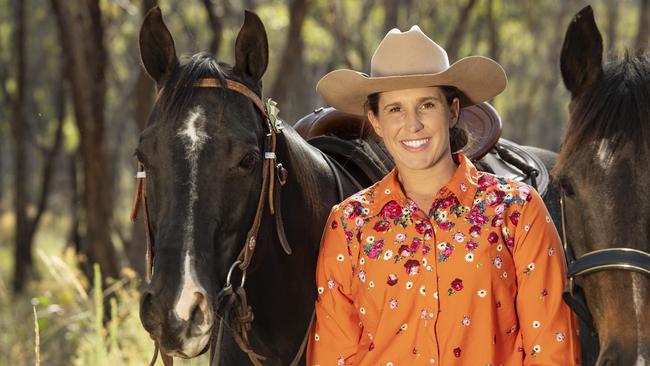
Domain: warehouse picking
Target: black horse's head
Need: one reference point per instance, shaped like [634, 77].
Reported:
[604, 173]
[202, 151]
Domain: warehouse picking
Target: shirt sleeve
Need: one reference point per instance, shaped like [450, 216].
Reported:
[334, 338]
[548, 327]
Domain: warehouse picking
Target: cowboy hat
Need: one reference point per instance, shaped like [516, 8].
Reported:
[405, 60]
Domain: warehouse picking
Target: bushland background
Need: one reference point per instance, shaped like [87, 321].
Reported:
[73, 98]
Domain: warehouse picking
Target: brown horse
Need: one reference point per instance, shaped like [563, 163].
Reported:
[604, 174]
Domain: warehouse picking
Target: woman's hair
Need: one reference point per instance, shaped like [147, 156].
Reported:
[458, 136]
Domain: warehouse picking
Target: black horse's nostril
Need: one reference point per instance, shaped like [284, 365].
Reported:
[200, 309]
[149, 313]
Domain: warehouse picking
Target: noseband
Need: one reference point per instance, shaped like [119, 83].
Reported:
[231, 300]
[626, 259]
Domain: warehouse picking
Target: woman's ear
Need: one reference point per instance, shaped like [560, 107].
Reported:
[454, 112]
[374, 122]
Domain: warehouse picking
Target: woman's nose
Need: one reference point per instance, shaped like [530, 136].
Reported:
[413, 122]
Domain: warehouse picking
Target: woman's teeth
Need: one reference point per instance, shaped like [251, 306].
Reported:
[415, 143]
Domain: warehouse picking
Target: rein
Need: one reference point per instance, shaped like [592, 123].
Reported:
[626, 259]
[232, 302]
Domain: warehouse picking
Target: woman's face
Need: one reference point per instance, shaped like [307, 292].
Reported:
[414, 124]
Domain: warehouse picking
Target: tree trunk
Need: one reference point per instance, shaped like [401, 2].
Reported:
[290, 80]
[612, 22]
[216, 24]
[23, 253]
[82, 39]
[391, 9]
[493, 26]
[643, 34]
[454, 41]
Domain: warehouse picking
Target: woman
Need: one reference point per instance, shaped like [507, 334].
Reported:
[437, 263]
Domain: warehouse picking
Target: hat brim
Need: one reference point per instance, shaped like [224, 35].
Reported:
[478, 78]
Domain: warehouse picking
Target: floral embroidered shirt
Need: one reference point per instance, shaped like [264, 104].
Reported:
[476, 279]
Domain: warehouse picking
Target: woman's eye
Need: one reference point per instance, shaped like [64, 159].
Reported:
[394, 109]
[428, 105]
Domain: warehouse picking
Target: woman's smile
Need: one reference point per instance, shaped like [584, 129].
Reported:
[416, 145]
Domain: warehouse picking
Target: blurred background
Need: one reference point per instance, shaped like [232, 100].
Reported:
[73, 98]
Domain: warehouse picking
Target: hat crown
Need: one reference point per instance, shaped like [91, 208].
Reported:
[408, 53]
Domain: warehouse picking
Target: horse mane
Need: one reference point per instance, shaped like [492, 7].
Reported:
[615, 109]
[178, 89]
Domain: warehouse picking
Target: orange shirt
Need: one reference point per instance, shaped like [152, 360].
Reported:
[475, 281]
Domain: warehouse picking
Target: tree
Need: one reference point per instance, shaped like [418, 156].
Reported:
[82, 41]
[643, 33]
[289, 80]
[26, 225]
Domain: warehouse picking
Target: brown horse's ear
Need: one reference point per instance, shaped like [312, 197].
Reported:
[157, 46]
[251, 47]
[581, 61]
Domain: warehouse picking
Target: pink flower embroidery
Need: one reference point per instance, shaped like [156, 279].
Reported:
[514, 218]
[391, 210]
[334, 224]
[457, 284]
[457, 352]
[412, 267]
[493, 238]
[381, 226]
[392, 280]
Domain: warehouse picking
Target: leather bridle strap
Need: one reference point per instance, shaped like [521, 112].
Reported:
[627, 259]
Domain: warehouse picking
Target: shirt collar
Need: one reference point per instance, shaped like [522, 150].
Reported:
[463, 184]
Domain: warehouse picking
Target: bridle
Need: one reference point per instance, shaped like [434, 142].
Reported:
[626, 259]
[231, 301]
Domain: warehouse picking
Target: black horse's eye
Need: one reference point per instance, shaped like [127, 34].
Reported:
[248, 161]
[567, 187]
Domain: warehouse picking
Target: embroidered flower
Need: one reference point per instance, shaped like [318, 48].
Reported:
[412, 267]
[475, 231]
[392, 280]
[334, 224]
[466, 321]
[469, 257]
[381, 226]
[456, 285]
[482, 294]
[471, 246]
[514, 218]
[391, 210]
[457, 351]
[493, 238]
[459, 237]
[393, 303]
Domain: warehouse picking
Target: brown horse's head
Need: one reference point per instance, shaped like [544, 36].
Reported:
[202, 152]
[604, 171]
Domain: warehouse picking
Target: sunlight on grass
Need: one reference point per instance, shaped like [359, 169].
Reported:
[61, 319]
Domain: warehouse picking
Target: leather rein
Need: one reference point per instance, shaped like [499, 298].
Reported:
[626, 259]
[231, 302]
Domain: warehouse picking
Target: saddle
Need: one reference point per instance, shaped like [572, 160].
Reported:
[349, 141]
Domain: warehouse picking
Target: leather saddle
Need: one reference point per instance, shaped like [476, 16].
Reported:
[352, 144]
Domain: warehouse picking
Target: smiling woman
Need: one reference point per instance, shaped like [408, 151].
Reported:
[437, 263]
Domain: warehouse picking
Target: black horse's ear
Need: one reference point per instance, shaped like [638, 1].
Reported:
[581, 61]
[251, 47]
[157, 46]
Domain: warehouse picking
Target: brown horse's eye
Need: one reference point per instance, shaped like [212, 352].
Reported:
[567, 187]
[248, 161]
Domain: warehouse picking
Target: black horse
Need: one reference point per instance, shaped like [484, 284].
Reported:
[604, 173]
[203, 151]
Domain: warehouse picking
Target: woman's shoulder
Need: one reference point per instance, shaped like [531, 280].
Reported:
[509, 191]
[364, 203]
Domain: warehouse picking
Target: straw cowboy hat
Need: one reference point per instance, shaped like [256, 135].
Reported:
[405, 60]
